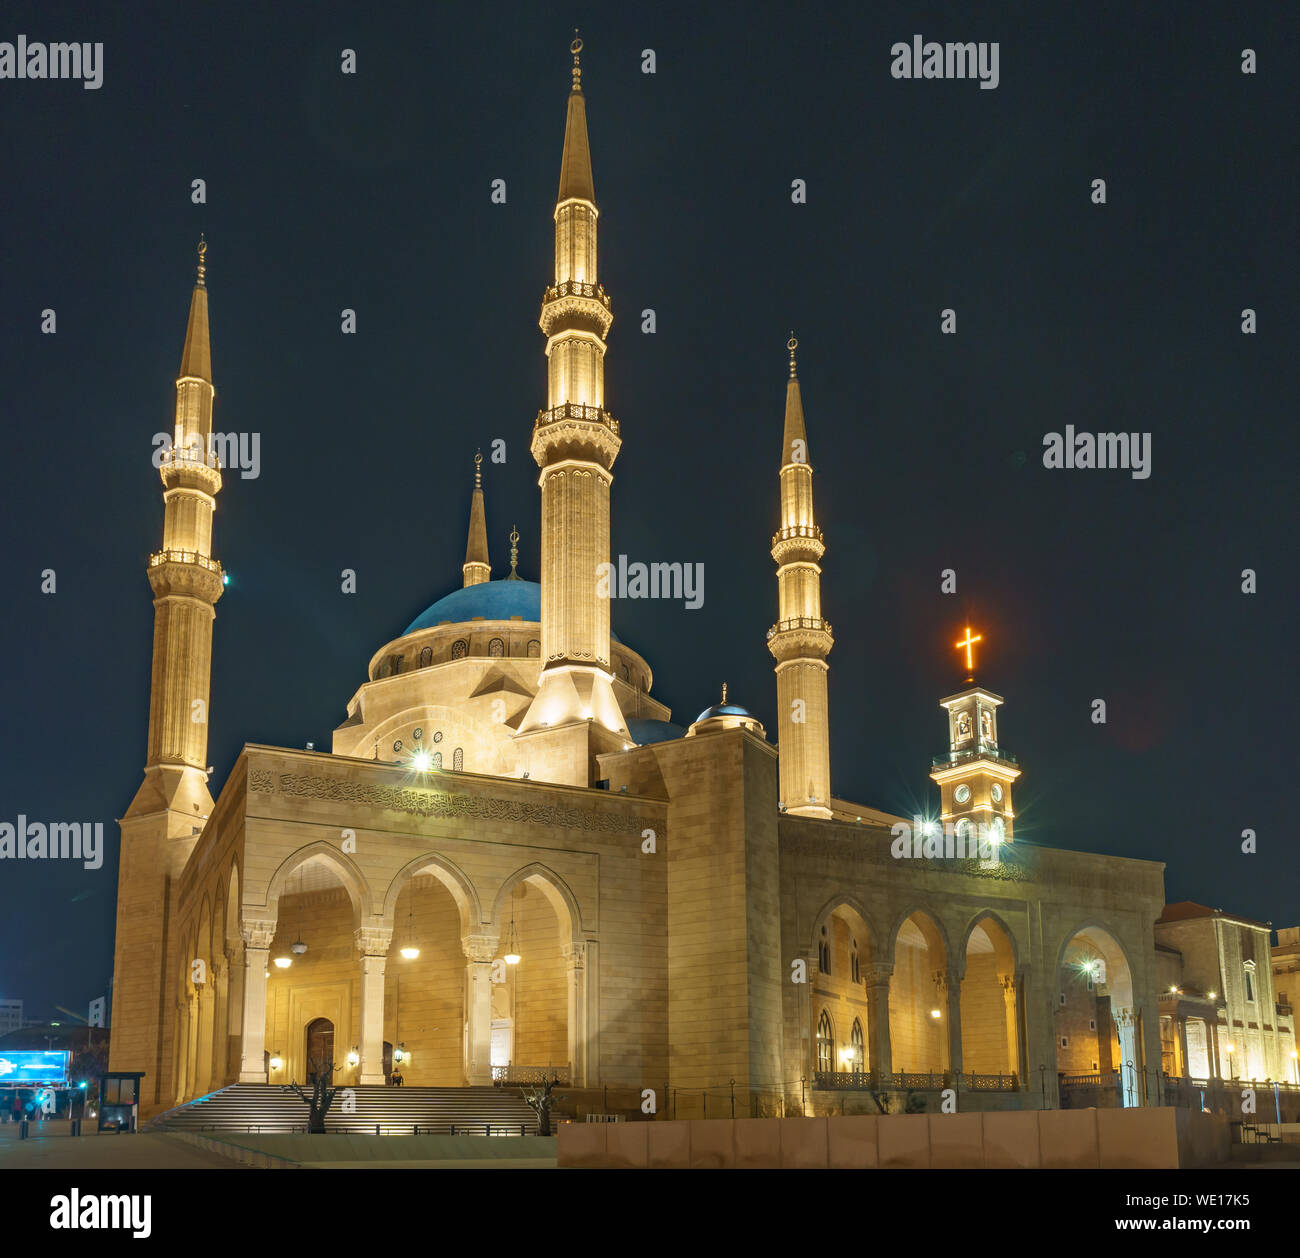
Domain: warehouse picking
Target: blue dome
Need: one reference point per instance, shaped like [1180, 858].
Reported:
[492, 600]
[644, 732]
[725, 709]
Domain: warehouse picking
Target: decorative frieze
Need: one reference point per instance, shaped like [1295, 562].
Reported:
[427, 803]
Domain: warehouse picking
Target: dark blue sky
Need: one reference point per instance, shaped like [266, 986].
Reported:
[372, 192]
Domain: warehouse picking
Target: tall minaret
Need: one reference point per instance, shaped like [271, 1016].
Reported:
[477, 566]
[800, 640]
[172, 803]
[575, 442]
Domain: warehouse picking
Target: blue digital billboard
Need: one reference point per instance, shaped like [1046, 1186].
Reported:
[33, 1067]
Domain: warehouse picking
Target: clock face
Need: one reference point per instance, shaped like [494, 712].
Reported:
[997, 793]
[961, 794]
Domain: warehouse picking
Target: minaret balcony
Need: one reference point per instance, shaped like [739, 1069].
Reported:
[184, 466]
[800, 637]
[797, 541]
[573, 431]
[186, 572]
[575, 307]
[975, 753]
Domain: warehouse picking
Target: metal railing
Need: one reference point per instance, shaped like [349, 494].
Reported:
[983, 752]
[573, 288]
[505, 1076]
[796, 530]
[575, 410]
[184, 556]
[912, 1081]
[800, 622]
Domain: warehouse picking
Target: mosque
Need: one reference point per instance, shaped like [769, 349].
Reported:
[513, 864]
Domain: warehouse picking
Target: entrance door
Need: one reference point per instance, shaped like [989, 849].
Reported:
[388, 1060]
[320, 1047]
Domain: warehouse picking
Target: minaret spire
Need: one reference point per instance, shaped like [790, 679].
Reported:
[575, 442]
[801, 639]
[477, 567]
[173, 803]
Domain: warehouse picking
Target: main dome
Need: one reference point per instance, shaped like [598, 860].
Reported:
[489, 600]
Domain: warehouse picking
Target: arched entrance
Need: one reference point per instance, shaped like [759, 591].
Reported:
[1097, 1023]
[843, 949]
[990, 1034]
[918, 998]
[320, 1048]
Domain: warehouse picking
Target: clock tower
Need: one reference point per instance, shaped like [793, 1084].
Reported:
[974, 777]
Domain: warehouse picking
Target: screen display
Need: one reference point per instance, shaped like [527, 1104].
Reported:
[33, 1067]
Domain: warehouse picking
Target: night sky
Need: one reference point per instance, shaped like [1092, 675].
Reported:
[373, 192]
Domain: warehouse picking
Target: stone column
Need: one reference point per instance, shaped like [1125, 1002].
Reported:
[182, 1038]
[877, 979]
[207, 1008]
[192, 1045]
[234, 1007]
[1011, 1004]
[257, 937]
[1180, 1027]
[479, 952]
[220, 1049]
[948, 990]
[1212, 1043]
[575, 965]
[373, 943]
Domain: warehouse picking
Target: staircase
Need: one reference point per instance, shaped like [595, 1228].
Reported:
[260, 1107]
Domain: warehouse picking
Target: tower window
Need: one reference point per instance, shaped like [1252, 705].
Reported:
[1250, 981]
[496, 648]
[426, 657]
[459, 649]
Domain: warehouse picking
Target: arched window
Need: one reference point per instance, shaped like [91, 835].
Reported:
[426, 657]
[459, 649]
[824, 953]
[825, 1043]
[627, 673]
[853, 963]
[458, 759]
[394, 665]
[437, 760]
[496, 648]
[534, 648]
[859, 1045]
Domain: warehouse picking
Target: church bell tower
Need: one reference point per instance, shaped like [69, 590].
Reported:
[975, 775]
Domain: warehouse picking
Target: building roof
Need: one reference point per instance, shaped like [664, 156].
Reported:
[1185, 910]
[645, 731]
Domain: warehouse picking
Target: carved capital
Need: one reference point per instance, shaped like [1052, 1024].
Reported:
[479, 948]
[878, 974]
[257, 932]
[373, 941]
[575, 954]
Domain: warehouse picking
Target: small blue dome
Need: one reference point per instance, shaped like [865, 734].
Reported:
[644, 732]
[492, 600]
[725, 709]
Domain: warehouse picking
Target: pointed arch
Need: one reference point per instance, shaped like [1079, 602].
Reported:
[343, 866]
[844, 900]
[996, 918]
[450, 875]
[927, 917]
[234, 904]
[553, 887]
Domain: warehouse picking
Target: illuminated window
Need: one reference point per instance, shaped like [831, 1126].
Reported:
[459, 649]
[496, 648]
[825, 1043]
[458, 759]
[1250, 981]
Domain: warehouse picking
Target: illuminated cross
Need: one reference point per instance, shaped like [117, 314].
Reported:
[968, 643]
